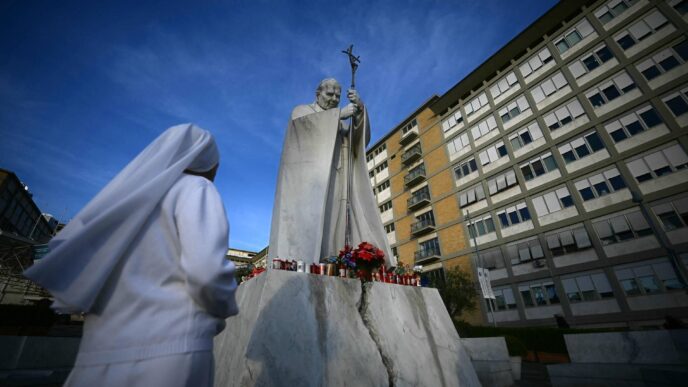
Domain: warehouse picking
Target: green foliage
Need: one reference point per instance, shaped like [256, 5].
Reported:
[457, 290]
[515, 346]
[541, 339]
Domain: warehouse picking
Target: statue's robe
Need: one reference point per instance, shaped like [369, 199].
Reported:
[309, 213]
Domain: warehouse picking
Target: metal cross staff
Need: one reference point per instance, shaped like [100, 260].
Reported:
[353, 61]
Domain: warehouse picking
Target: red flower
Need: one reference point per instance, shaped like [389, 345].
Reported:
[380, 254]
[365, 255]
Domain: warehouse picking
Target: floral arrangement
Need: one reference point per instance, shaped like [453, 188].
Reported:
[345, 259]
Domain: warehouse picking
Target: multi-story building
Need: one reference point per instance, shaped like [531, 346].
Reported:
[23, 234]
[560, 165]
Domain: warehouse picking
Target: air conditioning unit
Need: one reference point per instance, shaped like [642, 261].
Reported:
[539, 263]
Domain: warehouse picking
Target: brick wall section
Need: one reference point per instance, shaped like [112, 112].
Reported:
[435, 160]
[452, 239]
[403, 227]
[441, 183]
[446, 210]
[406, 252]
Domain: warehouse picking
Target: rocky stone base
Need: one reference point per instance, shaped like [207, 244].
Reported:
[297, 329]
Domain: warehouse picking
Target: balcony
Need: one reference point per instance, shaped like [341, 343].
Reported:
[422, 226]
[411, 155]
[409, 136]
[426, 256]
[415, 176]
[418, 200]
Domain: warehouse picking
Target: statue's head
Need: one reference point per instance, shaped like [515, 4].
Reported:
[327, 94]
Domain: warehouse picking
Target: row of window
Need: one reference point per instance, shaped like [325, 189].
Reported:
[641, 278]
[611, 229]
[651, 22]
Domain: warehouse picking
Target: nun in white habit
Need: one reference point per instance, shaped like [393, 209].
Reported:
[145, 262]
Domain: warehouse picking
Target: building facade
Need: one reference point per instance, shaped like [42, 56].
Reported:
[24, 231]
[560, 165]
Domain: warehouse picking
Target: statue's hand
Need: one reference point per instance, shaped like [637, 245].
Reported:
[348, 111]
[355, 99]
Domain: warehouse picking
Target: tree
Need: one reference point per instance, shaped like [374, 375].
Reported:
[457, 290]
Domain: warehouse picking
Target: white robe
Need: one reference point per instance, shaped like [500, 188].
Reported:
[167, 297]
[309, 215]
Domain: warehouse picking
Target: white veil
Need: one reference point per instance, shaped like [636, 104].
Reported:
[84, 253]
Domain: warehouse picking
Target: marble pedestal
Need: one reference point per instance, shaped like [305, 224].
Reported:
[297, 329]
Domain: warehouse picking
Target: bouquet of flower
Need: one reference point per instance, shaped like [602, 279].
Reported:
[367, 258]
[346, 259]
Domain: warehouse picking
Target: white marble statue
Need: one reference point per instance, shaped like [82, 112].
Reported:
[309, 214]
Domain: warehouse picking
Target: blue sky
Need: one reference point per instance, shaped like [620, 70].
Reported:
[86, 85]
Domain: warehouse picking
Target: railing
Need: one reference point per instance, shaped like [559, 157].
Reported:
[422, 225]
[427, 254]
[408, 135]
[417, 174]
[417, 199]
[412, 154]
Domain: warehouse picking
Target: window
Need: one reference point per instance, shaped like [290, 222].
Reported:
[502, 182]
[493, 153]
[673, 215]
[431, 247]
[681, 6]
[481, 226]
[659, 163]
[552, 201]
[664, 61]
[475, 104]
[513, 215]
[568, 241]
[453, 120]
[471, 195]
[381, 167]
[535, 62]
[426, 218]
[613, 9]
[380, 149]
[484, 127]
[409, 126]
[383, 186]
[492, 259]
[504, 298]
[581, 147]
[587, 287]
[622, 227]
[524, 251]
[525, 136]
[677, 102]
[600, 184]
[386, 206]
[369, 157]
[633, 123]
[590, 61]
[640, 30]
[575, 35]
[458, 143]
[539, 294]
[656, 276]
[608, 91]
[503, 84]
[539, 166]
[466, 168]
[389, 228]
[514, 108]
[417, 196]
[371, 174]
[564, 115]
[548, 87]
[395, 252]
